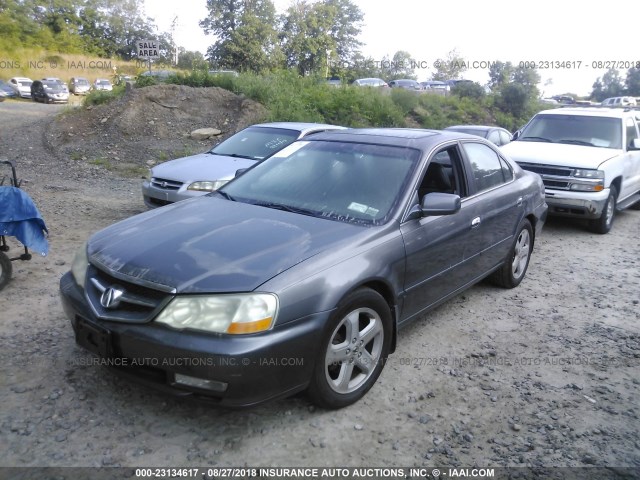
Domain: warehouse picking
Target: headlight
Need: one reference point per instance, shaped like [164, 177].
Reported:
[583, 173]
[80, 265]
[234, 313]
[205, 186]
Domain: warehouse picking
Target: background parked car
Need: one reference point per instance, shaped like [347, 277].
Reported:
[22, 86]
[6, 91]
[434, 85]
[496, 135]
[79, 86]
[203, 173]
[405, 83]
[58, 81]
[619, 102]
[370, 82]
[102, 84]
[49, 91]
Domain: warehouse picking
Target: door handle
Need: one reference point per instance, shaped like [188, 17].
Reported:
[519, 202]
[475, 222]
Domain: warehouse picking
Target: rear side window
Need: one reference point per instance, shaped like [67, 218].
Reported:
[632, 132]
[488, 169]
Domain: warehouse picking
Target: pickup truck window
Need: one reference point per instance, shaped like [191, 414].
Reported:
[574, 129]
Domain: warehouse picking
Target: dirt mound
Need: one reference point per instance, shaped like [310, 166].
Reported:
[149, 125]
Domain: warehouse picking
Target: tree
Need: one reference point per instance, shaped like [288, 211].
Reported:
[189, 60]
[513, 99]
[247, 38]
[632, 82]
[320, 35]
[610, 85]
[449, 68]
[400, 66]
[500, 73]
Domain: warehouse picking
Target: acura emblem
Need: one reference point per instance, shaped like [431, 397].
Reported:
[163, 184]
[111, 297]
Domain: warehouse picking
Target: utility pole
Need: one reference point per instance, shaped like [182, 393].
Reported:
[174, 22]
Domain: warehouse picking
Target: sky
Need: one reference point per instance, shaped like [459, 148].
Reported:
[566, 43]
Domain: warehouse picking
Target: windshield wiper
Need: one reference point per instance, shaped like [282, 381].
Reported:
[577, 142]
[288, 208]
[235, 155]
[535, 139]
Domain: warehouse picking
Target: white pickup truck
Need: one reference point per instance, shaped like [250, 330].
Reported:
[588, 158]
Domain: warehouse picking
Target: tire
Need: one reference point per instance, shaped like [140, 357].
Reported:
[515, 267]
[354, 350]
[603, 224]
[5, 270]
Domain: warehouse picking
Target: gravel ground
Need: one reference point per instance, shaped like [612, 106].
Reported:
[545, 375]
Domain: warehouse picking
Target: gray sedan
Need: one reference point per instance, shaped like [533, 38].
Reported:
[200, 174]
[298, 274]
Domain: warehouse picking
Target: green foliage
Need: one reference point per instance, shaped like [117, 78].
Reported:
[449, 68]
[145, 81]
[469, 90]
[100, 97]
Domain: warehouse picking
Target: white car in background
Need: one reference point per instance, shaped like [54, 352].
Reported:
[22, 86]
[102, 84]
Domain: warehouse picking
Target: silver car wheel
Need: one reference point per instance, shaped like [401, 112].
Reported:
[521, 254]
[354, 350]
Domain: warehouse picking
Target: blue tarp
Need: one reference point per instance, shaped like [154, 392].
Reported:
[20, 218]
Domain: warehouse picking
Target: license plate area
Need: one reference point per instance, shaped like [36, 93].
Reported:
[94, 338]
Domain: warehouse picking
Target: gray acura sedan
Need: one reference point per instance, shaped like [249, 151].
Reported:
[298, 274]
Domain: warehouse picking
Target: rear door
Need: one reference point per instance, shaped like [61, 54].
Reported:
[498, 201]
[631, 168]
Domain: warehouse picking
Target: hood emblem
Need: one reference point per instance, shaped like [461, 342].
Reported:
[111, 297]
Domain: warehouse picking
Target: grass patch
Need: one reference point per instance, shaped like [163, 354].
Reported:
[100, 97]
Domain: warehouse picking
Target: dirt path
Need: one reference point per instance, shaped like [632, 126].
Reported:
[543, 375]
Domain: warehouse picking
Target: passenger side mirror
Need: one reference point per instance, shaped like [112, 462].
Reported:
[634, 144]
[240, 171]
[515, 135]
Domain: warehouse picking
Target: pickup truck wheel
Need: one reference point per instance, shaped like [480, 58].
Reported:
[354, 349]
[5, 270]
[512, 272]
[603, 224]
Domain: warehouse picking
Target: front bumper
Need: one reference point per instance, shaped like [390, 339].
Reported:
[588, 205]
[234, 371]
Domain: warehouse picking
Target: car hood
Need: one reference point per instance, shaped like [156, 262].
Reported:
[208, 244]
[204, 166]
[559, 154]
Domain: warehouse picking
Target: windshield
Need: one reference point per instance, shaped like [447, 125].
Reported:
[256, 143]
[605, 132]
[470, 131]
[103, 82]
[348, 182]
[82, 81]
[54, 86]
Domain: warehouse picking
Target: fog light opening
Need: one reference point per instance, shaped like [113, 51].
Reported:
[200, 383]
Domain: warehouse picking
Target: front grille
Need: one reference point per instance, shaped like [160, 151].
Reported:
[165, 184]
[547, 170]
[556, 178]
[133, 304]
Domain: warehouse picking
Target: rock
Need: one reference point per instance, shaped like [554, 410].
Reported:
[516, 427]
[437, 441]
[104, 120]
[205, 133]
[358, 426]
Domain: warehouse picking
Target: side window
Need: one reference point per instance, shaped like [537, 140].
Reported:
[444, 174]
[494, 137]
[486, 166]
[507, 173]
[504, 138]
[631, 130]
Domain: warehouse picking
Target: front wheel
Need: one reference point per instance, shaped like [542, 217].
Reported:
[605, 222]
[354, 350]
[5, 270]
[512, 272]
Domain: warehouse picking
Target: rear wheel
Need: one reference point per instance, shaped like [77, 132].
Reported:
[354, 350]
[605, 222]
[5, 270]
[512, 272]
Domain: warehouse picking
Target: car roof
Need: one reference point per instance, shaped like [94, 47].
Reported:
[301, 126]
[414, 137]
[472, 127]
[21, 79]
[587, 111]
